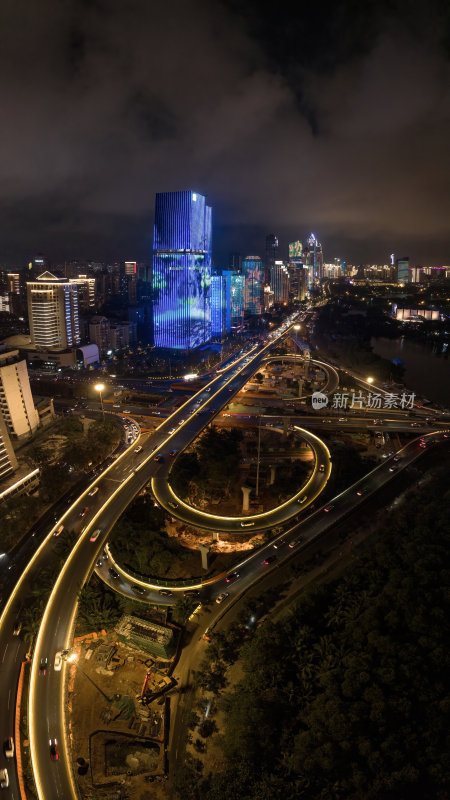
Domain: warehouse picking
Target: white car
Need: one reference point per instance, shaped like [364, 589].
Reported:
[58, 661]
[4, 779]
[222, 597]
[9, 747]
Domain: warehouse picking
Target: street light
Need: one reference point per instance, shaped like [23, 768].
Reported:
[296, 327]
[99, 387]
[369, 380]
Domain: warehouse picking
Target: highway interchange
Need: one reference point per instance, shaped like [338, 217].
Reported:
[118, 484]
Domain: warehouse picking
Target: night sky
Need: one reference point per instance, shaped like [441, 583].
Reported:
[333, 118]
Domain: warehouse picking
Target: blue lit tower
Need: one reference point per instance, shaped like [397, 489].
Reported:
[252, 270]
[181, 270]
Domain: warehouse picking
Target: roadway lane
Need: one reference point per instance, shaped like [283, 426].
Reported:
[303, 497]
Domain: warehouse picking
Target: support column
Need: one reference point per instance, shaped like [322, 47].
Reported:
[204, 551]
[246, 496]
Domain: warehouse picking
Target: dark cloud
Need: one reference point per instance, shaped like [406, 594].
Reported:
[334, 119]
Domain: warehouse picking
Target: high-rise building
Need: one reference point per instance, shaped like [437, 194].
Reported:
[279, 282]
[402, 270]
[313, 256]
[53, 312]
[235, 292]
[130, 268]
[8, 460]
[219, 305]
[86, 291]
[16, 402]
[99, 333]
[252, 270]
[181, 270]
[271, 255]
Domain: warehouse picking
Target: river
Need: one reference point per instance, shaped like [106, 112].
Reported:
[427, 367]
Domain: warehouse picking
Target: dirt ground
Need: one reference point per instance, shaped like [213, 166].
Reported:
[120, 740]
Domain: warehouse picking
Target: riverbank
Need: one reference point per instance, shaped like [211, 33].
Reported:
[427, 367]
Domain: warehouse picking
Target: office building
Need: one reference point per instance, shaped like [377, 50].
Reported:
[219, 315]
[252, 270]
[53, 312]
[8, 460]
[313, 257]
[16, 402]
[86, 291]
[268, 298]
[402, 270]
[271, 256]
[279, 282]
[234, 294]
[130, 268]
[181, 270]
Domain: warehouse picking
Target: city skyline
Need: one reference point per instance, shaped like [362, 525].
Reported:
[347, 135]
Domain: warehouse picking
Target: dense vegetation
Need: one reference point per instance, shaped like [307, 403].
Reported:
[139, 540]
[349, 696]
[213, 463]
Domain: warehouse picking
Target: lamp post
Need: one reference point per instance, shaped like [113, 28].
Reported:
[369, 380]
[99, 387]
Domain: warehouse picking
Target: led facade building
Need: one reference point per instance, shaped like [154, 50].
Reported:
[403, 270]
[219, 315]
[252, 270]
[181, 270]
[234, 299]
[53, 312]
[314, 257]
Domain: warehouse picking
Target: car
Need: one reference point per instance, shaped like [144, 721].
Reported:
[329, 507]
[165, 593]
[126, 411]
[269, 560]
[4, 779]
[422, 444]
[95, 535]
[322, 468]
[59, 530]
[114, 574]
[303, 499]
[173, 505]
[173, 453]
[295, 542]
[247, 524]
[342, 419]
[93, 491]
[138, 449]
[137, 589]
[116, 405]
[43, 666]
[17, 627]
[191, 593]
[99, 563]
[393, 467]
[232, 577]
[8, 747]
[58, 661]
[223, 596]
[54, 752]
[279, 544]
[84, 511]
[159, 458]
[396, 458]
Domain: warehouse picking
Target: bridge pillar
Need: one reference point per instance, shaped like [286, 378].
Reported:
[300, 387]
[204, 551]
[246, 497]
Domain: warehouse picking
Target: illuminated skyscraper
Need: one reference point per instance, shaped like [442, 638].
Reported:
[234, 292]
[403, 270]
[313, 257]
[53, 312]
[219, 305]
[271, 255]
[279, 282]
[181, 270]
[252, 270]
